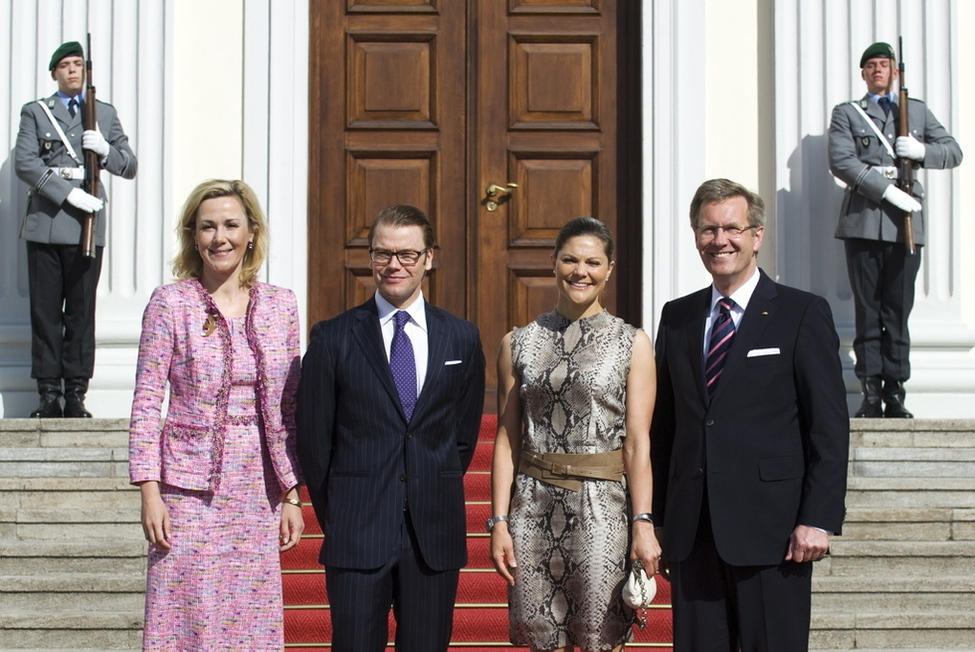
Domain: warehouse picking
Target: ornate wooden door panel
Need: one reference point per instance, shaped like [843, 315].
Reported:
[546, 121]
[387, 110]
[430, 103]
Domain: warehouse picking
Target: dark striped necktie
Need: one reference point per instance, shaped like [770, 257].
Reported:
[722, 334]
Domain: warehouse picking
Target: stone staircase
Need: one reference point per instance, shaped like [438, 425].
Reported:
[72, 555]
[902, 576]
[903, 573]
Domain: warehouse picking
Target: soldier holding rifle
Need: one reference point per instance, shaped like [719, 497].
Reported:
[864, 153]
[49, 158]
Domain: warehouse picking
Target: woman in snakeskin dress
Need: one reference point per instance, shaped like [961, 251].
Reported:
[571, 479]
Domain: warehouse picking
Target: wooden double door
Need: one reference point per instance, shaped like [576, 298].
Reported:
[433, 102]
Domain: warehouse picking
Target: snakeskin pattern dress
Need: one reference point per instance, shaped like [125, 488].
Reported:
[571, 546]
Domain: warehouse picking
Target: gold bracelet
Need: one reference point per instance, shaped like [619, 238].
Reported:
[292, 501]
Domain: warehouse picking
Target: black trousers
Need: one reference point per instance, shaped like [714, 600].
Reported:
[62, 283]
[723, 608]
[882, 277]
[422, 600]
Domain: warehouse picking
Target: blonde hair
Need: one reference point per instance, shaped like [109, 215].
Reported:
[188, 263]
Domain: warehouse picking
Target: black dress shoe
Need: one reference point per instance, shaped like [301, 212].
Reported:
[74, 406]
[894, 394]
[872, 407]
[49, 407]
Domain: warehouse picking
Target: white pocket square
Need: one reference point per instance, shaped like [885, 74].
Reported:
[757, 353]
[452, 362]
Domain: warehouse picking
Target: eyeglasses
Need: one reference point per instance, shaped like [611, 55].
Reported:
[406, 257]
[711, 232]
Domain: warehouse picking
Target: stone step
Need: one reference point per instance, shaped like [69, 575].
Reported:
[82, 630]
[893, 593]
[909, 629]
[64, 432]
[63, 462]
[896, 462]
[921, 524]
[904, 558]
[72, 592]
[907, 492]
[119, 557]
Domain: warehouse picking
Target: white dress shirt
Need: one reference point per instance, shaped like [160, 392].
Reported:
[416, 330]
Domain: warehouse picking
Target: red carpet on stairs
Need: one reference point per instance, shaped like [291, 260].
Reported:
[481, 612]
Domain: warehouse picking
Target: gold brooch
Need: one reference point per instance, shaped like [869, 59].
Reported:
[209, 325]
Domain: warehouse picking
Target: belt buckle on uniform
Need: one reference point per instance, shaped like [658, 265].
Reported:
[890, 172]
[67, 173]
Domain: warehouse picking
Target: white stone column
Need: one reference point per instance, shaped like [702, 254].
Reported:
[818, 44]
[674, 156]
[133, 47]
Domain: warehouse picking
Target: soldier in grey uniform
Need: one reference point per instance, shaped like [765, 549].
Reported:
[863, 149]
[62, 280]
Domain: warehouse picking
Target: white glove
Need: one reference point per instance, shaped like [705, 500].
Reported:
[81, 199]
[909, 147]
[93, 140]
[901, 199]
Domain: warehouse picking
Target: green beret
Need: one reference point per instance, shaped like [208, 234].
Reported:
[69, 49]
[879, 50]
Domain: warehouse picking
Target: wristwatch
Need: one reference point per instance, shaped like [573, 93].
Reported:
[494, 520]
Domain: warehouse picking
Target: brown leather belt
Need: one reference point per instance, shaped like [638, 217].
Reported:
[568, 470]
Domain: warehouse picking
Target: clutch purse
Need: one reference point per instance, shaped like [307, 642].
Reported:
[639, 589]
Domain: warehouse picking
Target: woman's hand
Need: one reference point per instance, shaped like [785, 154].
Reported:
[292, 522]
[502, 551]
[645, 546]
[155, 516]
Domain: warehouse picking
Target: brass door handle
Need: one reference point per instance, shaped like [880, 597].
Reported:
[498, 195]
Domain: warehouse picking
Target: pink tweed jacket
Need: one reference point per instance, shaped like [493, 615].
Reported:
[186, 341]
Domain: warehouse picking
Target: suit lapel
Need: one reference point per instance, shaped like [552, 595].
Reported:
[437, 340]
[694, 334]
[368, 335]
[758, 315]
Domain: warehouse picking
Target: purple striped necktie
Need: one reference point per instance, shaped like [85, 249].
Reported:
[722, 334]
[403, 364]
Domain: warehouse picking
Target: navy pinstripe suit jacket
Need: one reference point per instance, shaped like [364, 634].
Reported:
[360, 456]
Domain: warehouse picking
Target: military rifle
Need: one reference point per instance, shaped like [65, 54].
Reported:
[905, 166]
[92, 165]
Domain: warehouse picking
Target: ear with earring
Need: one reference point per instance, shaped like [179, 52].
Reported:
[250, 245]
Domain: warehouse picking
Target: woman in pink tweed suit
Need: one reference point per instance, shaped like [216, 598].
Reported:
[219, 480]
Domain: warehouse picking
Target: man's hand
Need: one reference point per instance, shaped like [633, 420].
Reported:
[81, 199]
[909, 147]
[901, 199]
[807, 544]
[93, 140]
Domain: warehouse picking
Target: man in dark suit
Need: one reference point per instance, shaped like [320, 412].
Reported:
[389, 408]
[749, 440]
[863, 153]
[61, 279]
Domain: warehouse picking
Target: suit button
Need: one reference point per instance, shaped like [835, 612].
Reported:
[699, 473]
[402, 478]
[710, 422]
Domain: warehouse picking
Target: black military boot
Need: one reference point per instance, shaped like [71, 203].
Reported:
[871, 407]
[50, 405]
[894, 399]
[74, 398]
